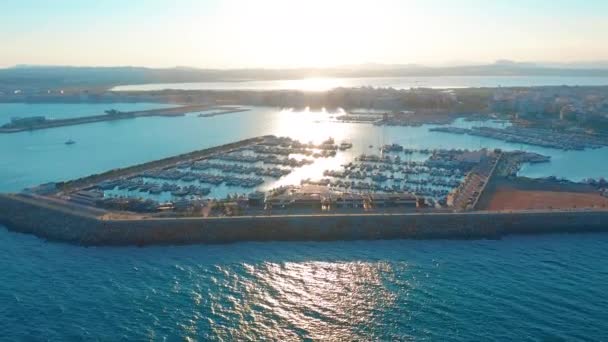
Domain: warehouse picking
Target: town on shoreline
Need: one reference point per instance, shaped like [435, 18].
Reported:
[563, 109]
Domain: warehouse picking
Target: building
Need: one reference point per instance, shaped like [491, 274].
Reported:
[393, 200]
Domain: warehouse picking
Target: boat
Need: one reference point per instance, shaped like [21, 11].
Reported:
[345, 146]
[70, 142]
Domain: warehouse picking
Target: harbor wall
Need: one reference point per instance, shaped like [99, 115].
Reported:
[175, 111]
[55, 224]
[26, 216]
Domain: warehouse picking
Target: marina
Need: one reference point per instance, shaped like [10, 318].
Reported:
[248, 176]
[534, 136]
[192, 177]
[127, 142]
[391, 191]
[398, 118]
[432, 178]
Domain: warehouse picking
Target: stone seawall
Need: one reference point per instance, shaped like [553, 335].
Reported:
[45, 221]
[174, 111]
[55, 224]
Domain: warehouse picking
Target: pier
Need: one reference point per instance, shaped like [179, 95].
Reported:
[224, 111]
[111, 115]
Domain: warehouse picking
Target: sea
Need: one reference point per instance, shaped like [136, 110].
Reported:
[538, 288]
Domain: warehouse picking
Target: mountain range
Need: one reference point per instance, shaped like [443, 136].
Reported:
[65, 77]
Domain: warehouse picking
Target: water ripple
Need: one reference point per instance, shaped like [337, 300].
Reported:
[540, 288]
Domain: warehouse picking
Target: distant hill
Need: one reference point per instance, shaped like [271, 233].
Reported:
[62, 77]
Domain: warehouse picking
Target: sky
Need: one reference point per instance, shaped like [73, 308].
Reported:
[299, 33]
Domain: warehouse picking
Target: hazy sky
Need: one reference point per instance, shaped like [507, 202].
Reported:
[285, 33]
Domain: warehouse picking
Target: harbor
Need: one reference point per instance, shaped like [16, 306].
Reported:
[251, 177]
[398, 118]
[382, 171]
[192, 177]
[398, 192]
[148, 139]
[534, 136]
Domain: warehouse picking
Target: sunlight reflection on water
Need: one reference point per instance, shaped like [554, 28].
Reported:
[320, 300]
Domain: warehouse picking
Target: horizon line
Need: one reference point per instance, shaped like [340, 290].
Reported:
[596, 64]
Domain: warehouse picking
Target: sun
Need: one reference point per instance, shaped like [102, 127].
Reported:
[310, 33]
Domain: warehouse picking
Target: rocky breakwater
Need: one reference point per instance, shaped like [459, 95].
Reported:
[55, 221]
[50, 220]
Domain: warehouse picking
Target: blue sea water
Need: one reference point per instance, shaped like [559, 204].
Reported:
[549, 287]
[32, 158]
[71, 110]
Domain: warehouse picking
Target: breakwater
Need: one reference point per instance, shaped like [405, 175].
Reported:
[224, 112]
[45, 124]
[54, 222]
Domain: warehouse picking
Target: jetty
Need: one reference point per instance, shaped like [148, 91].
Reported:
[37, 123]
[224, 111]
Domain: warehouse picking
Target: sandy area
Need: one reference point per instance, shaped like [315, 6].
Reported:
[507, 198]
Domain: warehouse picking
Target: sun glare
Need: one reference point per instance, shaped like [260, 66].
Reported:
[311, 33]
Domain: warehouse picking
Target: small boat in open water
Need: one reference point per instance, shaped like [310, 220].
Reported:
[70, 142]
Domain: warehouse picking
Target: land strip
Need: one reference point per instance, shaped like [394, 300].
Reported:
[223, 112]
[539, 194]
[45, 124]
